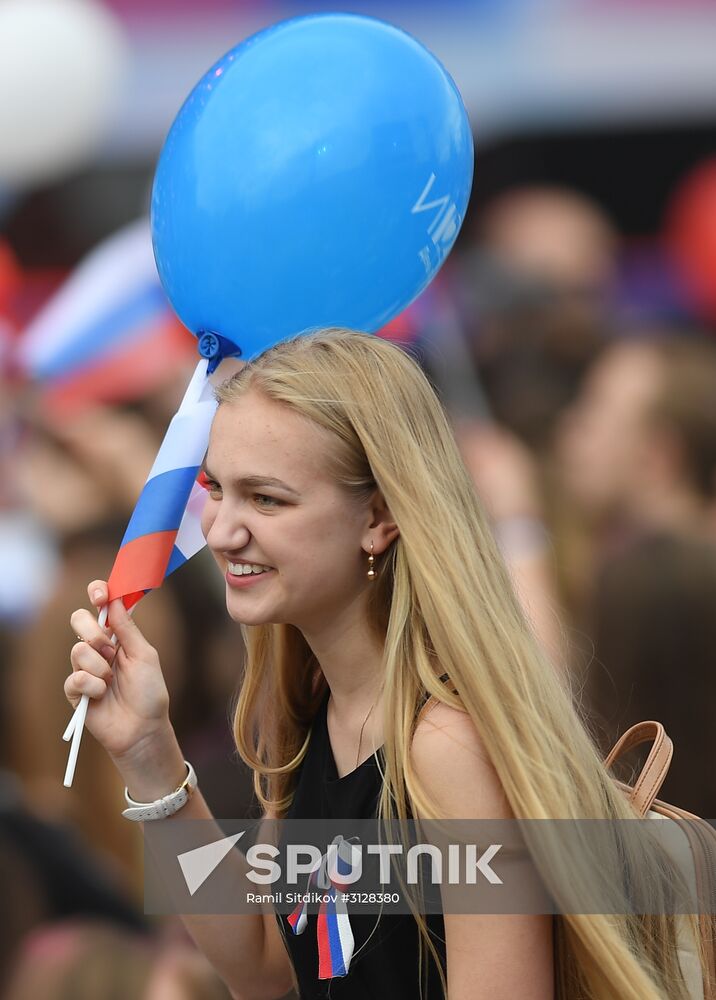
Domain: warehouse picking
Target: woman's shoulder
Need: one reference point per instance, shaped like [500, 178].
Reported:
[451, 762]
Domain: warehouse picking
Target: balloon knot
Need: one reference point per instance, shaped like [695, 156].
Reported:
[215, 348]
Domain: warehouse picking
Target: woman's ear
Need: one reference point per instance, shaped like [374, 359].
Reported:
[382, 529]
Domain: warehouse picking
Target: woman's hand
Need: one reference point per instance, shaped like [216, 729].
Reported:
[129, 701]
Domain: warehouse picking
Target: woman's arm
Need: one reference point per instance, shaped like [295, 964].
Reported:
[489, 956]
[245, 949]
[128, 715]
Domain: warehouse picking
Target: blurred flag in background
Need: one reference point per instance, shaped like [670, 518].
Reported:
[108, 334]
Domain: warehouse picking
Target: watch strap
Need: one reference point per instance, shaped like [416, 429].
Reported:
[165, 806]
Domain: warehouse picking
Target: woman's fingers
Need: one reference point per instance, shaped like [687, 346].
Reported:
[84, 657]
[82, 682]
[91, 673]
[98, 593]
[86, 627]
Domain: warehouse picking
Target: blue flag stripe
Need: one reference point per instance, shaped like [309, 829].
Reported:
[162, 503]
[101, 335]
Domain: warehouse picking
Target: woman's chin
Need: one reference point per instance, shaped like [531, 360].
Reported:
[246, 618]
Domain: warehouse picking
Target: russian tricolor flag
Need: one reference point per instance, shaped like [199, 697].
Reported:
[164, 530]
[108, 333]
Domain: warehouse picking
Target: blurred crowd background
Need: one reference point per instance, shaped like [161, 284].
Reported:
[571, 335]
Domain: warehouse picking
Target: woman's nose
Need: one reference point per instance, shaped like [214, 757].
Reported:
[224, 528]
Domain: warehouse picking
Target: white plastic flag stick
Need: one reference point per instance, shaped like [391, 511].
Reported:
[77, 722]
[81, 709]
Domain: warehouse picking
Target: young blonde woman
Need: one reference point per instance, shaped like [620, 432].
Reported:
[389, 668]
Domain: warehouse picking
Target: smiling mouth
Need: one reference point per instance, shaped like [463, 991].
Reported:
[247, 569]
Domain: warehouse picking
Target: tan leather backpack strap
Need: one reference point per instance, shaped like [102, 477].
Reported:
[655, 767]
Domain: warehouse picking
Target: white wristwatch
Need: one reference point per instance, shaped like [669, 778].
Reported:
[164, 807]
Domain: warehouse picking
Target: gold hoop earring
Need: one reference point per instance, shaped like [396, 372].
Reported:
[371, 572]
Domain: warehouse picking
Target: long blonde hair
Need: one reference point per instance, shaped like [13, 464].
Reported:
[391, 432]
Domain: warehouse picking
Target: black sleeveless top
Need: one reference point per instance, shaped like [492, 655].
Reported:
[387, 968]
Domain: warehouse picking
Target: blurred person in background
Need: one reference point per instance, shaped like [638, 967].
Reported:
[654, 630]
[552, 236]
[537, 285]
[534, 290]
[48, 873]
[75, 960]
[636, 452]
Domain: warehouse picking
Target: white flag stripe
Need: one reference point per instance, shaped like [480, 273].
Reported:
[186, 439]
[189, 538]
[345, 934]
[105, 279]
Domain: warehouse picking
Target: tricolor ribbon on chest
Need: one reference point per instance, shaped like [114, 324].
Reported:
[333, 929]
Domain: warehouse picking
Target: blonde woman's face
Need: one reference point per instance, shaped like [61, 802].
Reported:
[272, 503]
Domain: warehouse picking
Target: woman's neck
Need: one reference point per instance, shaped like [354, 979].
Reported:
[351, 659]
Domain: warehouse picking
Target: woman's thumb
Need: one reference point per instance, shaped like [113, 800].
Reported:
[125, 628]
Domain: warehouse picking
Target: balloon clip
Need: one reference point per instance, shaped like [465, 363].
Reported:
[215, 348]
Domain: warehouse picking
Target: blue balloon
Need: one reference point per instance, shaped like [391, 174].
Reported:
[317, 175]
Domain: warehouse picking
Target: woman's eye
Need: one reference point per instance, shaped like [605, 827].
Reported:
[209, 485]
[272, 501]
